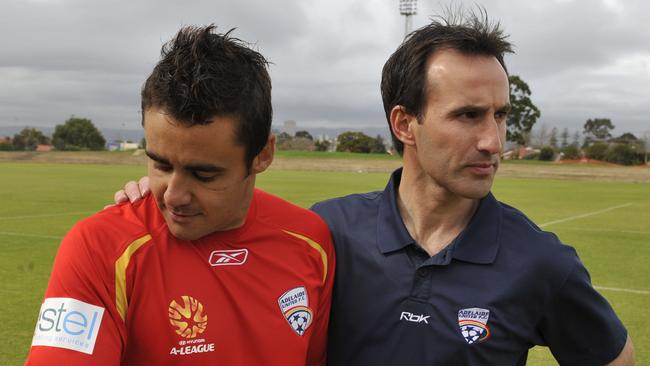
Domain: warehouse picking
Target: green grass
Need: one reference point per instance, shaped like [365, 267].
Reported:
[613, 244]
[333, 155]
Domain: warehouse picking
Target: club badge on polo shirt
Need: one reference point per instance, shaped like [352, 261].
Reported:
[473, 324]
[294, 305]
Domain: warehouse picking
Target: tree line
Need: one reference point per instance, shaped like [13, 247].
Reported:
[73, 135]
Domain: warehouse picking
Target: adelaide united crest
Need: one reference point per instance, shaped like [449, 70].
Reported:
[294, 305]
[473, 324]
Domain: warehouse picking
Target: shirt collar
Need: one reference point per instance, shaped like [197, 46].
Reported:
[477, 243]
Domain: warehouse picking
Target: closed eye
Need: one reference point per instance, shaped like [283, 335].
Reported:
[205, 176]
[163, 167]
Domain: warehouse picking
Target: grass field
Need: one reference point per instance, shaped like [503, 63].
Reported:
[608, 223]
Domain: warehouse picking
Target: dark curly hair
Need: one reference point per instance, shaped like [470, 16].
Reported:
[404, 74]
[202, 75]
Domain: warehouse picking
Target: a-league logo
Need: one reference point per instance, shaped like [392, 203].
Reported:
[188, 317]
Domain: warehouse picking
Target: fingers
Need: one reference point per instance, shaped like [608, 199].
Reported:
[120, 196]
[132, 191]
[143, 184]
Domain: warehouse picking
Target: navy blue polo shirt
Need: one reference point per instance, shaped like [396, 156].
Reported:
[501, 287]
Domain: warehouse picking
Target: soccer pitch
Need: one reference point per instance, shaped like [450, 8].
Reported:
[608, 223]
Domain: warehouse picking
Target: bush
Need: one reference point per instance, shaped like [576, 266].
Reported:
[531, 156]
[624, 154]
[546, 153]
[597, 151]
[571, 152]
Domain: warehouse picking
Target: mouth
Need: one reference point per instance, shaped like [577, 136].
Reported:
[483, 168]
[181, 217]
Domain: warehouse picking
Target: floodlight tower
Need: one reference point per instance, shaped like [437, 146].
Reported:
[408, 8]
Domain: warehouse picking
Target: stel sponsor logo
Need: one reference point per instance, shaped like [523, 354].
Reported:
[414, 318]
[68, 323]
[189, 319]
[228, 257]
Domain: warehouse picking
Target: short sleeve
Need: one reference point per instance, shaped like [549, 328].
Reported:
[579, 325]
[78, 323]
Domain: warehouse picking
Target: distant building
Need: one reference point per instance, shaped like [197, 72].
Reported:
[290, 127]
[5, 140]
[121, 146]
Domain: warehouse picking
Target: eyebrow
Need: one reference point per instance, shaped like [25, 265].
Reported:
[191, 167]
[477, 108]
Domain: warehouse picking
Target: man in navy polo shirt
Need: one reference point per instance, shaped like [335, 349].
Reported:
[434, 270]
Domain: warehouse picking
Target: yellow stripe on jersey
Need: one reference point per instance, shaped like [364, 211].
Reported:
[120, 274]
[316, 246]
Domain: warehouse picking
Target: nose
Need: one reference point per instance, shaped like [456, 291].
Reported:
[177, 192]
[492, 136]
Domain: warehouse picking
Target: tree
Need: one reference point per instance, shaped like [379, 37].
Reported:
[546, 153]
[623, 153]
[358, 142]
[565, 138]
[576, 139]
[297, 143]
[523, 113]
[596, 151]
[323, 145]
[282, 138]
[571, 152]
[28, 138]
[304, 134]
[552, 139]
[625, 138]
[78, 134]
[377, 146]
[540, 136]
[597, 129]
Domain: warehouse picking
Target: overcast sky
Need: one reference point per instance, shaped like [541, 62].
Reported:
[581, 58]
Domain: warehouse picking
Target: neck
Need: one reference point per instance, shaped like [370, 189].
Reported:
[432, 214]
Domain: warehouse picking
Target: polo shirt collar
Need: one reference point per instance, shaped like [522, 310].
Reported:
[477, 243]
[391, 232]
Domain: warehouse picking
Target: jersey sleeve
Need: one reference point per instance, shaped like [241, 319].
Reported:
[78, 323]
[318, 345]
[579, 325]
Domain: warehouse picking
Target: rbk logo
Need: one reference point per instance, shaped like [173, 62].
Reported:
[414, 318]
[235, 257]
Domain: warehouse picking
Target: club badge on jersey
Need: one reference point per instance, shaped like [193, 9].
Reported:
[294, 305]
[473, 324]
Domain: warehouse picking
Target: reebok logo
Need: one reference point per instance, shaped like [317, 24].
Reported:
[235, 257]
[414, 318]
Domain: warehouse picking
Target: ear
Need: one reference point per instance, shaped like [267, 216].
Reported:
[264, 159]
[401, 125]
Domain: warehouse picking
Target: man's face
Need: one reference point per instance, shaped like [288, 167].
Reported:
[197, 174]
[461, 135]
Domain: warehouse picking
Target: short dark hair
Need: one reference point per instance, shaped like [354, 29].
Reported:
[202, 75]
[403, 79]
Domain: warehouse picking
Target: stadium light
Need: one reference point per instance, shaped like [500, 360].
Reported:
[408, 8]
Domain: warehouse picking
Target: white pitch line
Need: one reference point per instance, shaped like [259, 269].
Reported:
[608, 231]
[46, 215]
[31, 235]
[585, 215]
[630, 291]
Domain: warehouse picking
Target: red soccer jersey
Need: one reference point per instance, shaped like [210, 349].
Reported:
[125, 291]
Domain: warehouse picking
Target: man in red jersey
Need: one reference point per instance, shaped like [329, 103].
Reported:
[207, 270]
